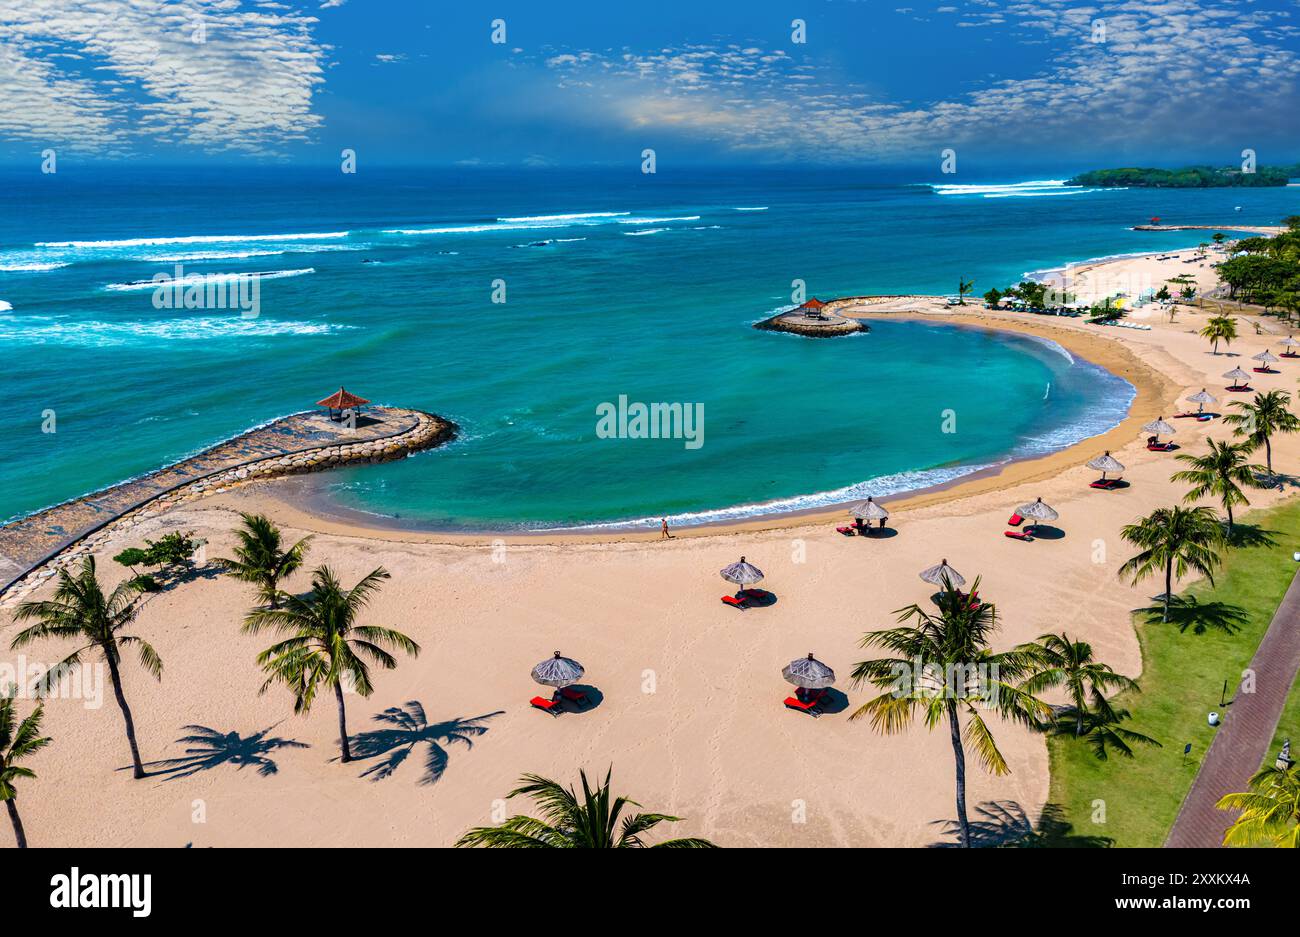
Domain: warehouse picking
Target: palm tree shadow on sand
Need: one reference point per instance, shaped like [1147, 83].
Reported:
[1003, 824]
[1188, 613]
[210, 748]
[406, 728]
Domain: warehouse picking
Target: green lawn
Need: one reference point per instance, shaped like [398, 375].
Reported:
[1184, 669]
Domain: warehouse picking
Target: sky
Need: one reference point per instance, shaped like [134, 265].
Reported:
[572, 83]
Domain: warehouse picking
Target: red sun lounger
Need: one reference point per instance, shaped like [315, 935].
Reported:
[574, 696]
[807, 706]
[1160, 447]
[735, 602]
[1019, 535]
[545, 705]
[1015, 520]
[1108, 484]
[846, 531]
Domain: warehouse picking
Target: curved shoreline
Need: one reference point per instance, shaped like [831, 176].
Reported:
[1154, 393]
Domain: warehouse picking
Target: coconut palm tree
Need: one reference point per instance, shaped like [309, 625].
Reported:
[259, 559]
[14, 747]
[1219, 329]
[959, 677]
[1086, 680]
[1270, 810]
[1220, 472]
[570, 823]
[324, 644]
[1267, 415]
[964, 288]
[1089, 715]
[1176, 540]
[80, 610]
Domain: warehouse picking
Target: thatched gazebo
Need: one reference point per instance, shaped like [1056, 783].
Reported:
[341, 401]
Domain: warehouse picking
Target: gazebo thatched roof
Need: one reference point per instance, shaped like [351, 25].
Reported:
[342, 400]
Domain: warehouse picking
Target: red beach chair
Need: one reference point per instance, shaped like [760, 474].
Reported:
[546, 705]
[1160, 447]
[1015, 520]
[846, 531]
[574, 696]
[1019, 535]
[1106, 484]
[735, 602]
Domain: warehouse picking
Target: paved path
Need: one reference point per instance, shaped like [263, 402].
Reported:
[1239, 747]
[31, 541]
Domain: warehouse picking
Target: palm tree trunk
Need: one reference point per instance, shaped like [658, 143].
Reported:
[111, 654]
[1268, 454]
[1169, 586]
[17, 822]
[343, 724]
[959, 758]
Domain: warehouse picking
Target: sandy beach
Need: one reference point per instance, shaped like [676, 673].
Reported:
[689, 712]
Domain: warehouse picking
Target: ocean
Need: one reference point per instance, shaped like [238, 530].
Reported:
[616, 286]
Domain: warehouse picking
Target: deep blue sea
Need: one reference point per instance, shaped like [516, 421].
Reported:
[615, 284]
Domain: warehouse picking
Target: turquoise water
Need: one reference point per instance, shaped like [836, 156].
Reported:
[650, 294]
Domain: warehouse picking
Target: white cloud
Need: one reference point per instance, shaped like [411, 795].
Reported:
[1175, 71]
[103, 75]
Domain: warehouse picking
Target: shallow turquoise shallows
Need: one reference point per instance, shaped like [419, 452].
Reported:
[616, 285]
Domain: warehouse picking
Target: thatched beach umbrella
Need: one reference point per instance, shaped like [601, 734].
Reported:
[809, 673]
[868, 511]
[1159, 428]
[1265, 358]
[1201, 398]
[558, 671]
[1038, 511]
[1238, 377]
[936, 575]
[742, 573]
[1289, 343]
[1106, 463]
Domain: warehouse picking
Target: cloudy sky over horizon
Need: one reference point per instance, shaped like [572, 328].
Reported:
[880, 82]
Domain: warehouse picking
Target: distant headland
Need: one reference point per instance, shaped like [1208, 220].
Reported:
[1188, 177]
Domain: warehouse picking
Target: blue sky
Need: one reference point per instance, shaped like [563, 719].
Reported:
[879, 82]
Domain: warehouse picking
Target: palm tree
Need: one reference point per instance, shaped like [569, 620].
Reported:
[1270, 810]
[14, 747]
[958, 675]
[259, 559]
[1090, 715]
[1070, 664]
[1176, 540]
[1259, 420]
[591, 823]
[80, 610]
[964, 288]
[324, 644]
[1219, 329]
[1220, 472]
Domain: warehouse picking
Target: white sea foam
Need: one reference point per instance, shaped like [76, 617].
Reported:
[241, 255]
[33, 267]
[196, 239]
[633, 234]
[5, 307]
[659, 220]
[1033, 189]
[570, 217]
[758, 208]
[191, 278]
[39, 330]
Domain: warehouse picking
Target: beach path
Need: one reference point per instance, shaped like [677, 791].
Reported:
[1239, 748]
[33, 540]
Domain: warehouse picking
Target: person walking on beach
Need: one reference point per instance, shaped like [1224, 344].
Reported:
[664, 527]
